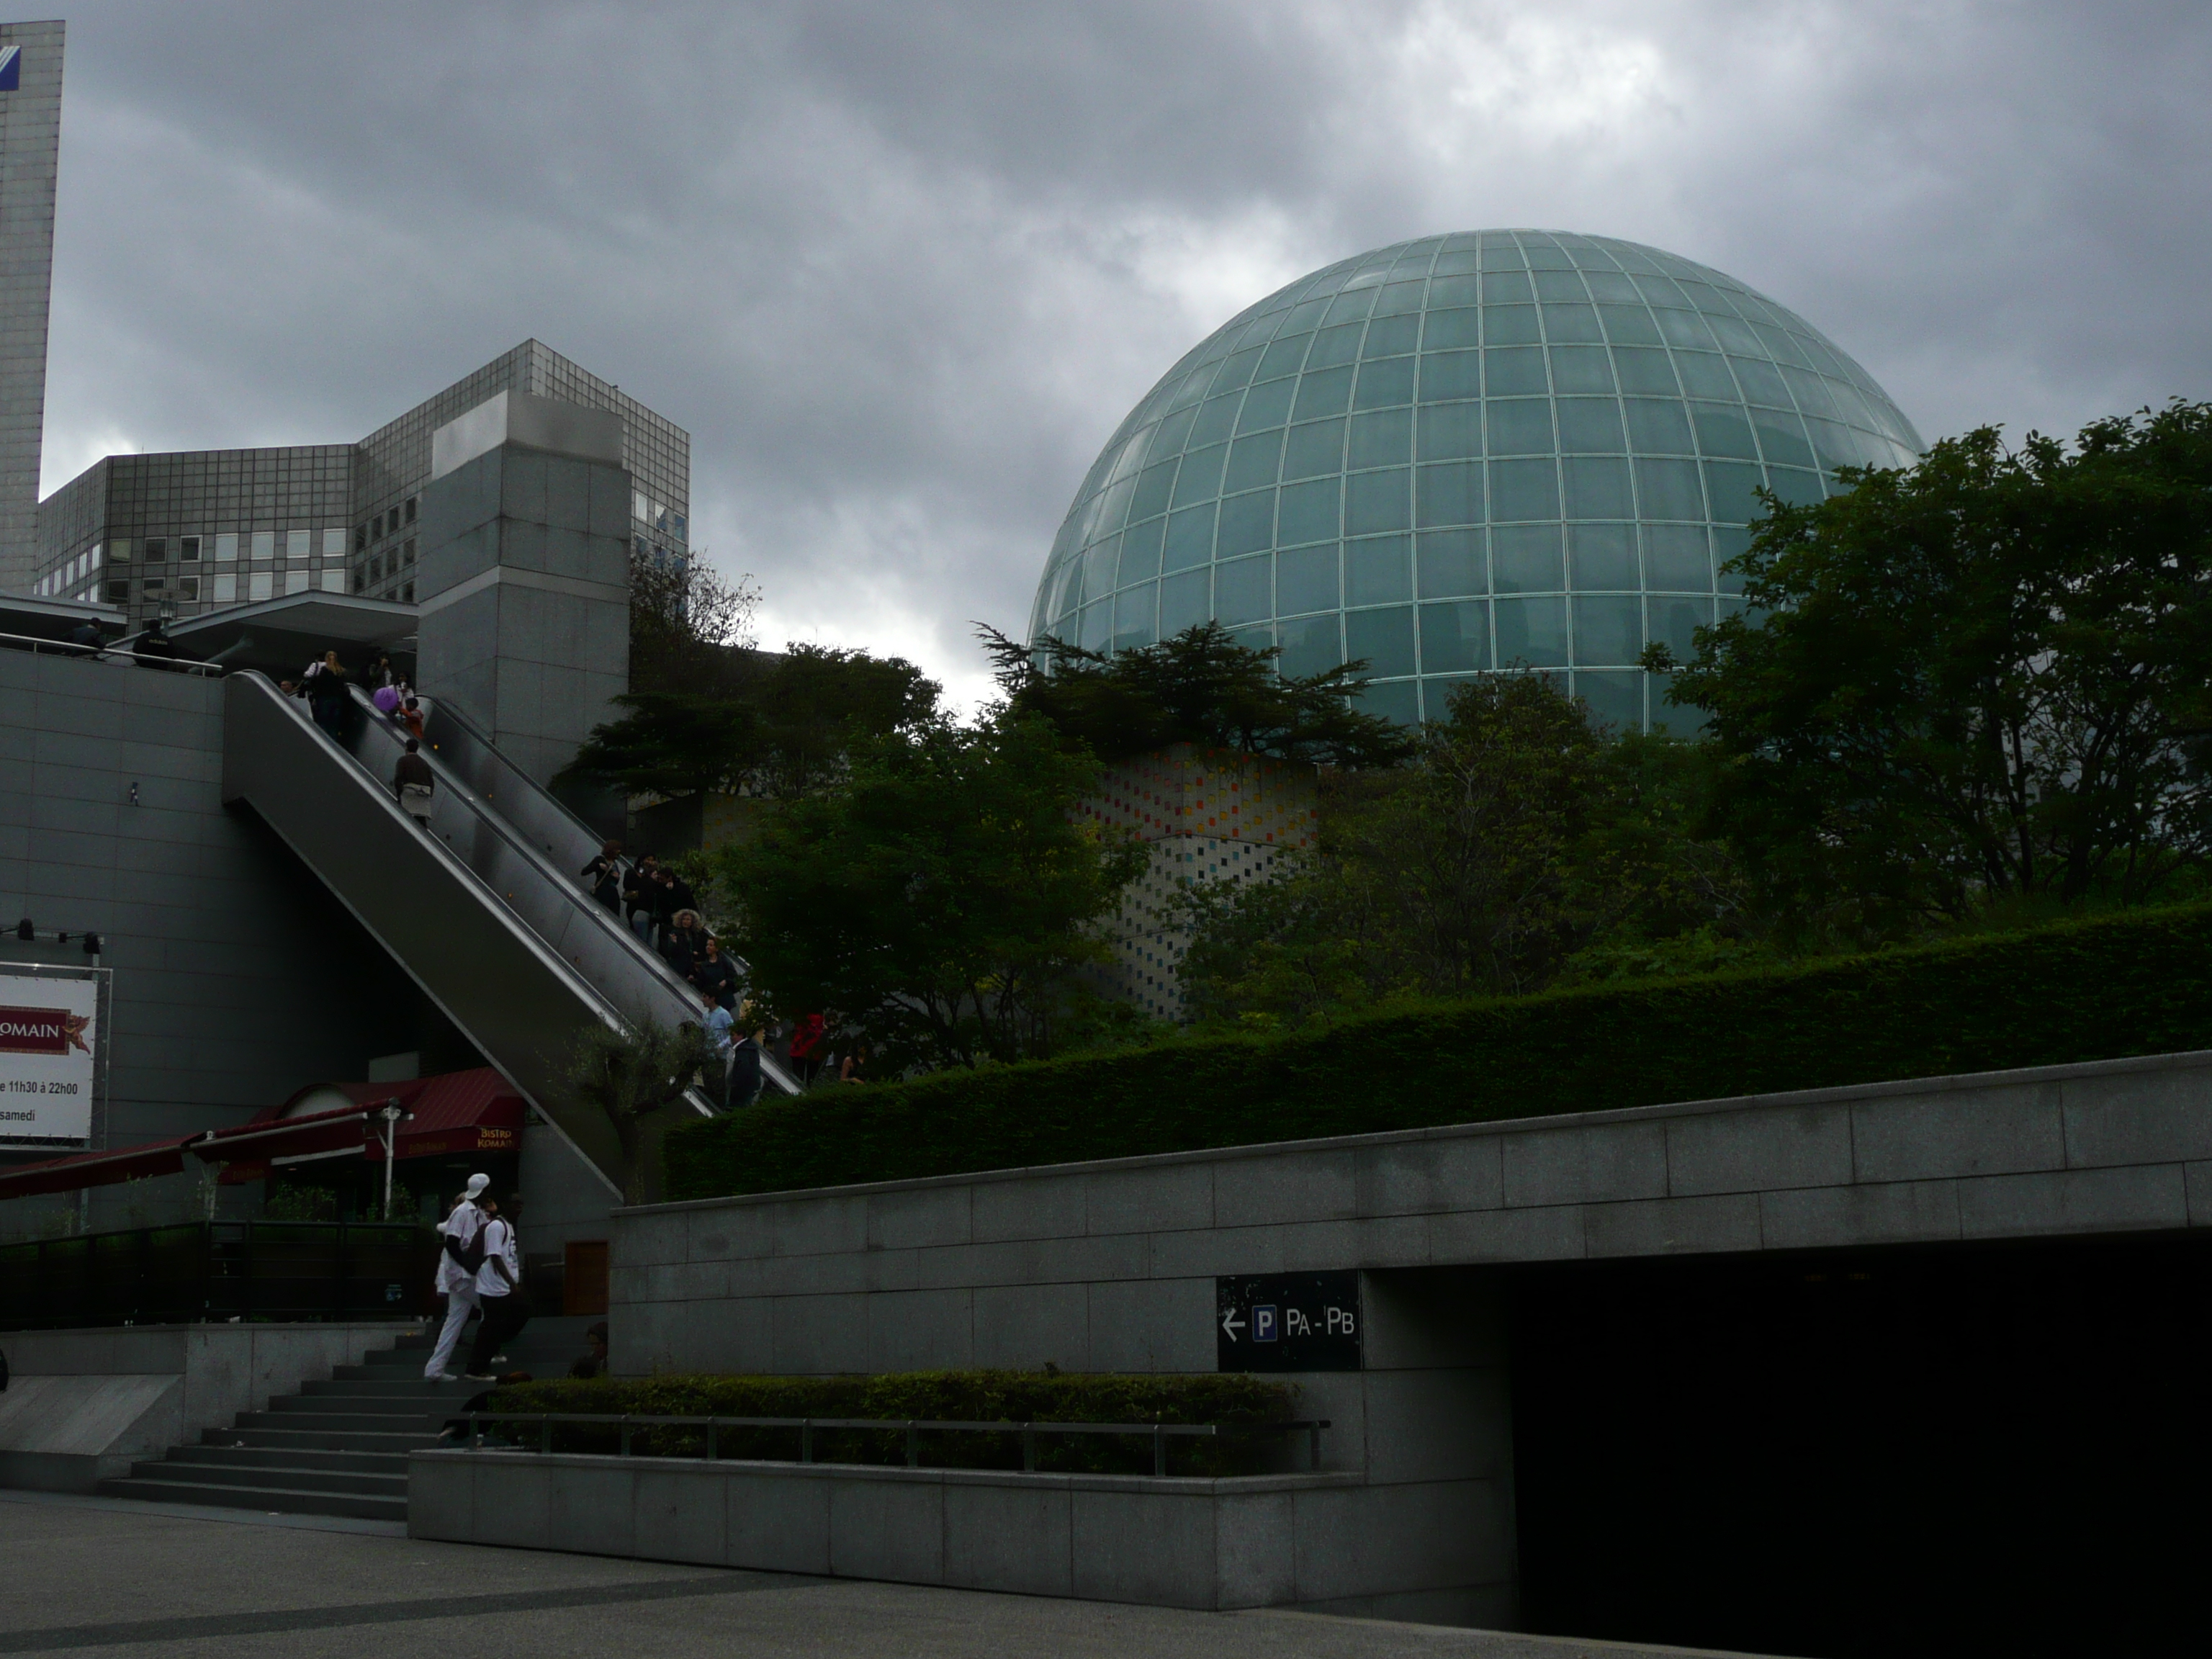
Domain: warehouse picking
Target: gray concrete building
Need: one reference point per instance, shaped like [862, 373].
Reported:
[525, 574]
[30, 156]
[187, 533]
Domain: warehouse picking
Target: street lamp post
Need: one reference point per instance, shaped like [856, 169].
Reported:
[391, 1114]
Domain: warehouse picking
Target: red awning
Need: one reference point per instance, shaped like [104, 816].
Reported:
[476, 1111]
[279, 1140]
[67, 1175]
[452, 1114]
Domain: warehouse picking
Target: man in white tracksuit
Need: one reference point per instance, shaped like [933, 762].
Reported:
[457, 1282]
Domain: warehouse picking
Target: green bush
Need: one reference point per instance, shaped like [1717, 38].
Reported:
[2139, 983]
[983, 1396]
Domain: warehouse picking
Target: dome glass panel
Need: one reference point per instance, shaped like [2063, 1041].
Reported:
[1466, 455]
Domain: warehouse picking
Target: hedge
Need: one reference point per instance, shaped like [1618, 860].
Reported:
[977, 1396]
[2138, 983]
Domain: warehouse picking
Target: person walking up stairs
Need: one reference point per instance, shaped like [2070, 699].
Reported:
[460, 1259]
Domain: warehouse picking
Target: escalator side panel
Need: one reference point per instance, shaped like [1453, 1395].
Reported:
[519, 1002]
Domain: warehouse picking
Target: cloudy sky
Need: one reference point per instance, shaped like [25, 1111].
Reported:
[901, 267]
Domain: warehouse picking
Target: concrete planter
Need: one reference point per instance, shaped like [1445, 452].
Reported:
[1267, 1540]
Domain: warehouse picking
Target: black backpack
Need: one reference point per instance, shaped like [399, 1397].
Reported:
[471, 1256]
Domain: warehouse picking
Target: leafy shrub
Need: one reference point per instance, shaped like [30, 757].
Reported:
[977, 1396]
[2138, 983]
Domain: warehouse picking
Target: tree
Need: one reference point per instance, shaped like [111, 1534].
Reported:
[937, 894]
[1518, 839]
[1199, 687]
[756, 725]
[630, 1075]
[1980, 680]
[688, 628]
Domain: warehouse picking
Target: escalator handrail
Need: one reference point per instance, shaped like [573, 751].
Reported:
[459, 866]
[443, 709]
[558, 880]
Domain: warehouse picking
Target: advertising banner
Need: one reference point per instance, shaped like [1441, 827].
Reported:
[49, 1049]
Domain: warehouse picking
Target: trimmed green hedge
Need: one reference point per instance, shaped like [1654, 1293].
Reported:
[980, 1396]
[2139, 983]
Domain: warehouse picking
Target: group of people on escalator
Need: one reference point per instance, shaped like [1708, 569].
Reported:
[662, 910]
[326, 687]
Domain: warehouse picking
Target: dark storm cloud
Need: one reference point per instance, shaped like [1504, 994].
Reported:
[901, 269]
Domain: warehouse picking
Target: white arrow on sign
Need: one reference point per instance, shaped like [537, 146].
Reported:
[1232, 1324]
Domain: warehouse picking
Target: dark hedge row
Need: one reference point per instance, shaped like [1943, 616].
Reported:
[981, 1396]
[2134, 984]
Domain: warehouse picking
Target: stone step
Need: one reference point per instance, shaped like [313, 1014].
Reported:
[357, 1440]
[292, 1457]
[375, 1387]
[285, 1500]
[344, 1414]
[285, 1476]
[350, 1423]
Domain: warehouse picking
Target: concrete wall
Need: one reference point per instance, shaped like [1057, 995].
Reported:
[523, 590]
[1265, 1542]
[1110, 1267]
[238, 979]
[80, 1405]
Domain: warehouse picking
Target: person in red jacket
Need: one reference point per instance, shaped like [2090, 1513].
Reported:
[808, 1038]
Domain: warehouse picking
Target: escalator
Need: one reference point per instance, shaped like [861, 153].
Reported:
[484, 912]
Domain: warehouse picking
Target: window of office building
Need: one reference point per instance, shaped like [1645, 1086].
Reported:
[264, 546]
[296, 546]
[226, 546]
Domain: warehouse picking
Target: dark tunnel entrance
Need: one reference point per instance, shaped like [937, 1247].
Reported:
[1950, 1450]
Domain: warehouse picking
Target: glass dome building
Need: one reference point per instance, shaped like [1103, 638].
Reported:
[1463, 453]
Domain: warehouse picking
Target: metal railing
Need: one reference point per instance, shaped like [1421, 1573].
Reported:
[198, 1271]
[107, 654]
[913, 1428]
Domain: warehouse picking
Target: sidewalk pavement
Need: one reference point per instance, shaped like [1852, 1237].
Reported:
[110, 1577]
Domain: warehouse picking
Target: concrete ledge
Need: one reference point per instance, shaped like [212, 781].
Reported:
[82, 1405]
[2162, 1116]
[1264, 1540]
[69, 1433]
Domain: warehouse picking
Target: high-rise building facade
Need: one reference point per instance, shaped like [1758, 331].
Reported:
[180, 534]
[30, 155]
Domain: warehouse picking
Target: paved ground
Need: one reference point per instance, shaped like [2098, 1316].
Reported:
[108, 1578]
